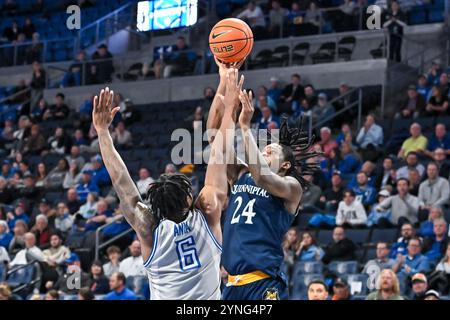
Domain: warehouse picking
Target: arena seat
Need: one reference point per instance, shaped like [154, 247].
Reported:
[307, 267]
[385, 235]
[370, 253]
[345, 48]
[325, 53]
[261, 60]
[358, 236]
[280, 57]
[21, 276]
[2, 272]
[357, 283]
[324, 237]
[300, 284]
[139, 285]
[343, 267]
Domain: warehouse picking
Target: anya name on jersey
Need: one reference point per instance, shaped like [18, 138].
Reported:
[180, 229]
[254, 190]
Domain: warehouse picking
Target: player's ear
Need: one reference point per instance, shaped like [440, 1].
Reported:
[286, 165]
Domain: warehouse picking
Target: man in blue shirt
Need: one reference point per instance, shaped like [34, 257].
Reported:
[100, 175]
[434, 248]
[364, 193]
[414, 262]
[86, 186]
[422, 87]
[119, 291]
[440, 139]
[407, 232]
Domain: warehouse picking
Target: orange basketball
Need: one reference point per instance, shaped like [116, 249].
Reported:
[231, 40]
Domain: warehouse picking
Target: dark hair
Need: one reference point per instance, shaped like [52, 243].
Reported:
[352, 193]
[86, 293]
[416, 238]
[296, 75]
[318, 281]
[296, 146]
[168, 195]
[412, 153]
[61, 95]
[113, 249]
[54, 294]
[404, 179]
[120, 276]
[432, 163]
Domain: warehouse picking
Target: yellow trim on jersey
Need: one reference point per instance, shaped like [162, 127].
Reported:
[247, 278]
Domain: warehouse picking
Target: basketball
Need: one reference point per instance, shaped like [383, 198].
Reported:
[231, 40]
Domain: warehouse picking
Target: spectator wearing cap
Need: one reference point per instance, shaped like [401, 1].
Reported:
[342, 248]
[99, 282]
[113, 253]
[415, 143]
[404, 206]
[326, 142]
[432, 295]
[365, 193]
[101, 214]
[103, 67]
[435, 191]
[434, 73]
[274, 91]
[30, 253]
[382, 260]
[317, 290]
[133, 266]
[291, 94]
[412, 162]
[419, 286]
[439, 140]
[351, 212]
[387, 287]
[45, 209]
[434, 247]
[323, 110]
[379, 217]
[412, 105]
[437, 104]
[100, 175]
[370, 138]
[42, 231]
[5, 234]
[63, 219]
[87, 185]
[119, 290]
[413, 262]
[65, 282]
[422, 87]
[341, 290]
[331, 196]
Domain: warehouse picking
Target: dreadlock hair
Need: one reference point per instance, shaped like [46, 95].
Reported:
[297, 150]
[167, 197]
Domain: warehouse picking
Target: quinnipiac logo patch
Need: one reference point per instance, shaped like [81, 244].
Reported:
[271, 294]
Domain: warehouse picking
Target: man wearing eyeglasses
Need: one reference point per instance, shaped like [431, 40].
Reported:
[414, 262]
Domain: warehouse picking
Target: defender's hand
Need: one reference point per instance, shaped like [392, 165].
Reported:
[103, 113]
[246, 99]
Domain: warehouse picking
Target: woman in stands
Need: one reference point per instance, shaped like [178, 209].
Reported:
[308, 250]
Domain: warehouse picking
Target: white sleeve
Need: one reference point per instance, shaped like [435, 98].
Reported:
[339, 217]
[361, 217]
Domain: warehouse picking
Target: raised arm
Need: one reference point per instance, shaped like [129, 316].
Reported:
[287, 187]
[213, 196]
[135, 212]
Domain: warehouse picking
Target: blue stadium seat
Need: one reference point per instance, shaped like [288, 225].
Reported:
[139, 285]
[402, 280]
[21, 276]
[308, 268]
[357, 236]
[417, 16]
[300, 285]
[357, 283]
[343, 267]
[325, 237]
[370, 253]
[2, 272]
[385, 235]
[69, 297]
[436, 15]
[303, 219]
[60, 55]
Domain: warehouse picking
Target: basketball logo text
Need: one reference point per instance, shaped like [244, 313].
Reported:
[73, 22]
[374, 21]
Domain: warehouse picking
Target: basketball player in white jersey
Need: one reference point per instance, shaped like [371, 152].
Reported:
[180, 238]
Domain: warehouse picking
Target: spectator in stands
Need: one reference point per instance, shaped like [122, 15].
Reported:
[422, 87]
[437, 104]
[19, 214]
[435, 191]
[35, 144]
[419, 286]
[416, 143]
[170, 168]
[395, 22]
[101, 214]
[351, 212]
[88, 209]
[274, 92]
[122, 137]
[52, 295]
[323, 110]
[365, 193]
[34, 51]
[86, 294]
[434, 247]
[277, 16]
[144, 180]
[413, 262]
[55, 177]
[412, 105]
[341, 290]
[130, 115]
[444, 84]
[102, 67]
[100, 175]
[331, 196]
[342, 249]
[113, 253]
[42, 231]
[312, 20]
[55, 255]
[5, 235]
[38, 111]
[73, 177]
[63, 219]
[386, 175]
[23, 131]
[444, 264]
[414, 179]
[382, 261]
[73, 202]
[440, 139]
[388, 287]
[308, 250]
[57, 111]
[439, 159]
[434, 74]
[267, 118]
[99, 282]
[181, 58]
[326, 141]
[60, 142]
[311, 196]
[64, 284]
[254, 16]
[427, 227]
[132, 266]
[29, 192]
[75, 155]
[6, 195]
[119, 290]
[290, 244]
[412, 162]
[4, 256]
[86, 186]
[291, 95]
[30, 253]
[18, 241]
[404, 206]
[28, 29]
[7, 170]
[76, 71]
[37, 84]
[295, 18]
[370, 138]
[12, 33]
[317, 290]
[346, 17]
[263, 99]
[378, 217]
[79, 139]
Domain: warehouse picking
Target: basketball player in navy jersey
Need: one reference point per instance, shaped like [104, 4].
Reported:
[265, 197]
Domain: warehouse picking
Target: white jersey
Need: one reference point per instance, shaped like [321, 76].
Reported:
[184, 263]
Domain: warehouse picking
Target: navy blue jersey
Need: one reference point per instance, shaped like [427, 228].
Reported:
[254, 226]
